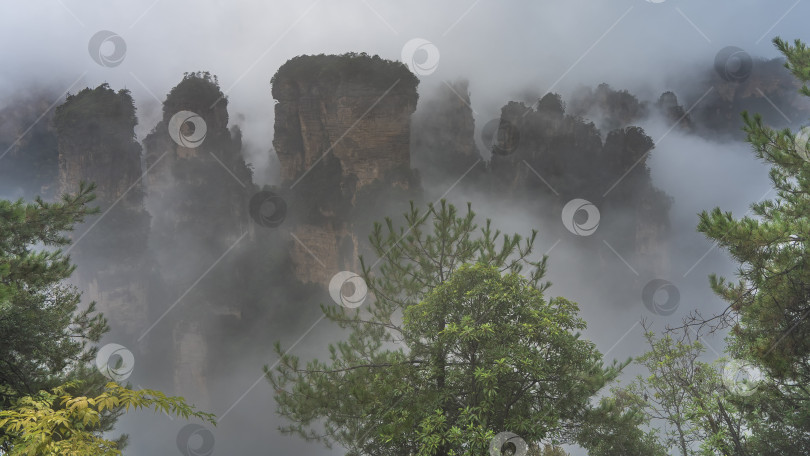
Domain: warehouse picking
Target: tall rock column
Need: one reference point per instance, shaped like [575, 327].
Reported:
[95, 131]
[443, 138]
[342, 126]
[198, 192]
[28, 149]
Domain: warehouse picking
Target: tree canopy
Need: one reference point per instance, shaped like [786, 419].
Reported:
[458, 344]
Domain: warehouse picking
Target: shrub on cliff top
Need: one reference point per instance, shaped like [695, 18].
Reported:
[373, 71]
[199, 92]
[99, 106]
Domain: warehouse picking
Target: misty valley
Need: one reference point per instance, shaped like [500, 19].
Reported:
[586, 271]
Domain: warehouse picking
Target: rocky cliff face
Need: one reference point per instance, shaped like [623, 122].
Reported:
[204, 272]
[96, 143]
[198, 182]
[769, 90]
[354, 108]
[549, 158]
[195, 269]
[95, 131]
[29, 159]
[443, 137]
[341, 123]
[198, 192]
[668, 105]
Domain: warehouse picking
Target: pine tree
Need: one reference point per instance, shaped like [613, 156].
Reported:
[769, 305]
[42, 333]
[457, 345]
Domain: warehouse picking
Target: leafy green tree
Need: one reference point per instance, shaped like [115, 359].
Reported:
[59, 423]
[546, 450]
[699, 412]
[616, 428]
[456, 347]
[51, 401]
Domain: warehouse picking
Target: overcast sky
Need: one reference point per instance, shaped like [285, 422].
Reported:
[505, 48]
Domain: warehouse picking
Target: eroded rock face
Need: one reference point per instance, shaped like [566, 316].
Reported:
[341, 123]
[198, 192]
[95, 131]
[366, 132]
[443, 137]
[29, 165]
[190, 349]
[770, 90]
[336, 247]
[365, 126]
[197, 189]
[554, 157]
